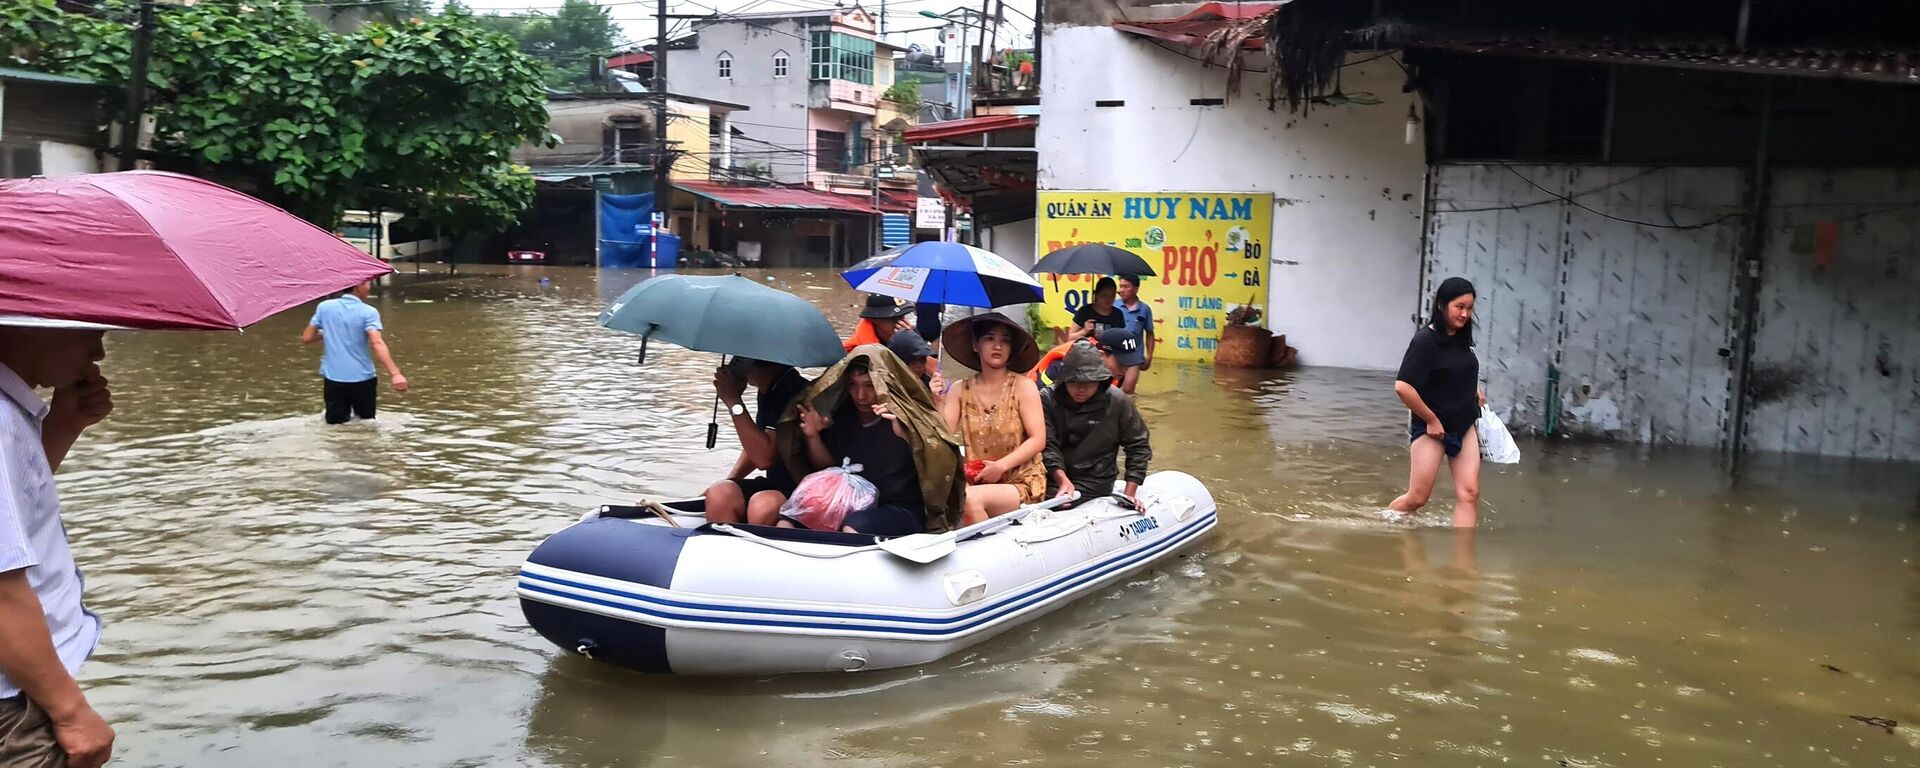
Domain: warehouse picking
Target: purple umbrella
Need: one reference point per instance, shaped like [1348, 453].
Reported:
[159, 251]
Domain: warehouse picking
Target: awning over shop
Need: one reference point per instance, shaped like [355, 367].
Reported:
[985, 164]
[898, 201]
[1193, 27]
[623, 180]
[968, 128]
[776, 198]
[1901, 67]
[1463, 32]
[26, 76]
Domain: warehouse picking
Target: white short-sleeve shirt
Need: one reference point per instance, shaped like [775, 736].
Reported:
[31, 533]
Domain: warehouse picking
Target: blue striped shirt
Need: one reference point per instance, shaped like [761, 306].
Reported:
[31, 533]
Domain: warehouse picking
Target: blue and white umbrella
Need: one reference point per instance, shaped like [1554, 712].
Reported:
[945, 273]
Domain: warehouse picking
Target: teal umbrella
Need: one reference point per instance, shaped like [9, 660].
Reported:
[729, 315]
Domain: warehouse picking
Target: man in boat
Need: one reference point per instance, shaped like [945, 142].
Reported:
[865, 410]
[913, 349]
[350, 334]
[882, 316]
[1119, 350]
[1088, 423]
[776, 386]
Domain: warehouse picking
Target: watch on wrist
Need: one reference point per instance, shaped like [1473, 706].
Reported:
[737, 409]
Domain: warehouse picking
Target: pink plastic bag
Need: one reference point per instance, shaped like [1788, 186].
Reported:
[823, 499]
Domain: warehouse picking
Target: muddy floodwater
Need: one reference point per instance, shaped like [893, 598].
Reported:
[280, 593]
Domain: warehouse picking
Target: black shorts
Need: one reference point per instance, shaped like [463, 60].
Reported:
[1453, 440]
[886, 520]
[357, 397]
[749, 486]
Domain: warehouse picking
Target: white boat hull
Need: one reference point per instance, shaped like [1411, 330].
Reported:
[698, 601]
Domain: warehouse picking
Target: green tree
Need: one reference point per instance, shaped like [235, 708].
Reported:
[566, 41]
[904, 94]
[419, 117]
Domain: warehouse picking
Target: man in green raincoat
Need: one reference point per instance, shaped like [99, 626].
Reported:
[872, 410]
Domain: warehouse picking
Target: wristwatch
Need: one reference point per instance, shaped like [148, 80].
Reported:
[737, 409]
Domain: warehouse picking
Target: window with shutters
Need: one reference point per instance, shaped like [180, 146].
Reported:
[830, 151]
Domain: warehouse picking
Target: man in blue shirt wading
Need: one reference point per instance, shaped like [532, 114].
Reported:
[351, 332]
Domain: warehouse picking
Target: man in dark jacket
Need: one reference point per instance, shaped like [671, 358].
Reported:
[1088, 423]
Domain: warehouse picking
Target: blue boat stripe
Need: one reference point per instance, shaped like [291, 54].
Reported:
[985, 614]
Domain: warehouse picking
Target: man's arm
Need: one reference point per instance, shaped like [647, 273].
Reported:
[756, 444]
[310, 335]
[1134, 438]
[30, 662]
[812, 425]
[817, 452]
[379, 346]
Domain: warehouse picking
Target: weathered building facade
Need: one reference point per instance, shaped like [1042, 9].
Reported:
[49, 125]
[1693, 225]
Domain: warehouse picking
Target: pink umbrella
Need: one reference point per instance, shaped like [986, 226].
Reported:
[159, 251]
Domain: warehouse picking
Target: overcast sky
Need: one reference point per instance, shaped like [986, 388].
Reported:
[636, 16]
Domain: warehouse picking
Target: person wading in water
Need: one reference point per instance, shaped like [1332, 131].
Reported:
[1439, 382]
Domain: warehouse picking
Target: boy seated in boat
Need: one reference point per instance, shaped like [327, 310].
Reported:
[869, 410]
[776, 386]
[1088, 423]
[913, 349]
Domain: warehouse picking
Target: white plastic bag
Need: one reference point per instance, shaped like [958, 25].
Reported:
[1496, 443]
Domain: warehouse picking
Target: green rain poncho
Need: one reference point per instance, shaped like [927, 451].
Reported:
[936, 452]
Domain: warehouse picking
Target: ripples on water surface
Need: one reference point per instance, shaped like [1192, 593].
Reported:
[281, 593]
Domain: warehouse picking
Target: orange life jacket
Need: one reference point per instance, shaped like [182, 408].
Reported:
[862, 334]
[1039, 372]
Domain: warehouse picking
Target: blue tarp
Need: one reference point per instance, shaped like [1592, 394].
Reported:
[625, 230]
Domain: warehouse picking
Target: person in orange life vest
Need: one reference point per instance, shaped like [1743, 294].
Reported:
[881, 317]
[1119, 349]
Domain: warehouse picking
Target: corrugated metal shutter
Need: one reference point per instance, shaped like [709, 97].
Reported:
[896, 229]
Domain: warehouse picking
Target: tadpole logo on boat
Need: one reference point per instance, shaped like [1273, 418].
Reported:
[1137, 527]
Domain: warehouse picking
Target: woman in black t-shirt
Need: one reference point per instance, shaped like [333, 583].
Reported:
[1098, 314]
[1439, 381]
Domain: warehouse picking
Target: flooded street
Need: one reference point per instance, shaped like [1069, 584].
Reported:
[281, 593]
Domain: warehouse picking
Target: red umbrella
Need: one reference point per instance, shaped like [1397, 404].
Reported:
[160, 251]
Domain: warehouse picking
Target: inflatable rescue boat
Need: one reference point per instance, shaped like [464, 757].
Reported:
[658, 590]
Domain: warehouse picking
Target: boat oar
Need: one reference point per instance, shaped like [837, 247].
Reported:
[928, 547]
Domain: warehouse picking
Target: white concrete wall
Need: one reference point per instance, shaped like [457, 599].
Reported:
[777, 106]
[61, 159]
[1013, 241]
[1345, 261]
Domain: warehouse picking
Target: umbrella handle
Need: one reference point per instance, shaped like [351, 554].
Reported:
[713, 422]
[644, 338]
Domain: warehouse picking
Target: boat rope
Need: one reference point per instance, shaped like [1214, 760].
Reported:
[792, 550]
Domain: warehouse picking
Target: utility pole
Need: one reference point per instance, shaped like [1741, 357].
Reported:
[662, 170]
[137, 88]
